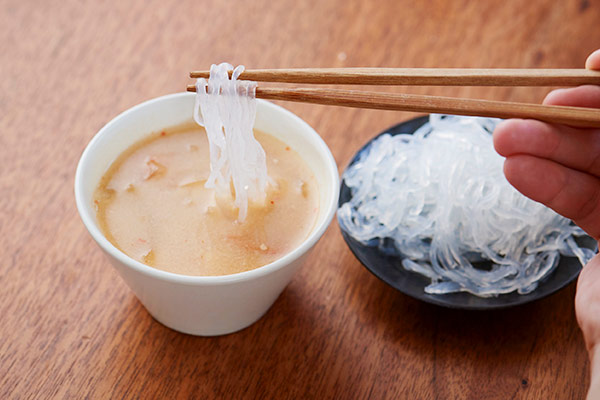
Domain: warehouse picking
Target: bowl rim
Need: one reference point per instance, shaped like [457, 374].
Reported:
[87, 215]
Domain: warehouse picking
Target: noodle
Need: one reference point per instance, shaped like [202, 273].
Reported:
[441, 196]
[227, 109]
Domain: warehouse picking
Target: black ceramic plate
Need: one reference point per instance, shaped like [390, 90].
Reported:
[389, 268]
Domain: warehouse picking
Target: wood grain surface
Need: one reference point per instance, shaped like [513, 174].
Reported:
[70, 328]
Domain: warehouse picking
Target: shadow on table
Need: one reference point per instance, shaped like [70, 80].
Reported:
[484, 354]
[307, 345]
[261, 361]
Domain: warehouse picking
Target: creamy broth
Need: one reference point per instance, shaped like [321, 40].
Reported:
[153, 206]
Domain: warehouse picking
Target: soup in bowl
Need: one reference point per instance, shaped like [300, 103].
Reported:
[211, 300]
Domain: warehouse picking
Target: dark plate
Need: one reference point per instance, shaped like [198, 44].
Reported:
[389, 268]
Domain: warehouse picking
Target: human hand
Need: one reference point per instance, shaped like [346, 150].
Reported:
[559, 166]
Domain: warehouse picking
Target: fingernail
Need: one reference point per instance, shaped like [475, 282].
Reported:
[593, 61]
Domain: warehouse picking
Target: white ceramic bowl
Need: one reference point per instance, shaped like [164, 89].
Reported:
[204, 305]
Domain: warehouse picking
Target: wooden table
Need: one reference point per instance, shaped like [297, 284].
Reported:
[70, 328]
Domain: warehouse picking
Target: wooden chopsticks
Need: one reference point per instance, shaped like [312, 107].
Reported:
[422, 76]
[574, 116]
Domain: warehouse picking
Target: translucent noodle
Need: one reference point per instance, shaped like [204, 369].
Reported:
[227, 109]
[441, 197]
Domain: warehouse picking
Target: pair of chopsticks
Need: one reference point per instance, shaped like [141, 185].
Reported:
[574, 116]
